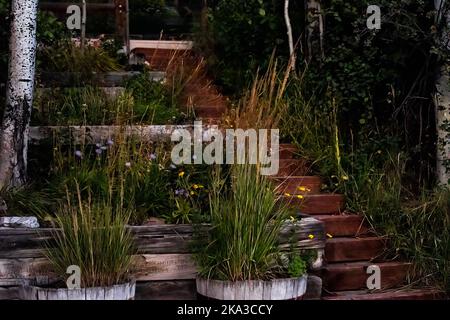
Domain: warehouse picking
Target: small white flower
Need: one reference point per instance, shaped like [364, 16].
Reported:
[128, 164]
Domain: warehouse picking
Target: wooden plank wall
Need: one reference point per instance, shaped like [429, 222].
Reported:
[164, 252]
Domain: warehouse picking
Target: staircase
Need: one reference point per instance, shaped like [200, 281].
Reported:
[199, 94]
[351, 246]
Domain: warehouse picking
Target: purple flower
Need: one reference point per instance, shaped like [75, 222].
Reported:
[78, 154]
[98, 145]
[98, 151]
[152, 156]
[110, 142]
[181, 192]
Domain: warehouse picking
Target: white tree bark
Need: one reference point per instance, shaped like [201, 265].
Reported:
[19, 95]
[442, 102]
[289, 33]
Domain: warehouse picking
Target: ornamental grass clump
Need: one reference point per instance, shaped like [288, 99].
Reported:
[246, 221]
[94, 237]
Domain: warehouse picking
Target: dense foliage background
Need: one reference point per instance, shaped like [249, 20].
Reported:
[381, 80]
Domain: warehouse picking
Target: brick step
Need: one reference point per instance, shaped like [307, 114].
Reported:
[354, 249]
[287, 151]
[353, 276]
[292, 167]
[400, 294]
[293, 184]
[316, 204]
[344, 225]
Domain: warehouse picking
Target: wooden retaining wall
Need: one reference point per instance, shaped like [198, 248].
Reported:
[164, 252]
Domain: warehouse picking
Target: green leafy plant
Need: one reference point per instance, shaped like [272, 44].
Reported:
[153, 100]
[297, 266]
[92, 236]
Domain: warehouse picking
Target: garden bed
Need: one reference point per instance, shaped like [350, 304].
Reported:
[164, 252]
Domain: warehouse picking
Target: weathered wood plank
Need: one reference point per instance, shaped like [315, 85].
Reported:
[9, 293]
[152, 267]
[94, 134]
[157, 239]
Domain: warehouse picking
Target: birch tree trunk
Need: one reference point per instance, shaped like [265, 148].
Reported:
[19, 94]
[289, 33]
[442, 100]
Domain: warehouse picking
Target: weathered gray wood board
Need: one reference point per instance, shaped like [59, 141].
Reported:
[95, 134]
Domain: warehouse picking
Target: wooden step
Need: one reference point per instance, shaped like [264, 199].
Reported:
[287, 151]
[344, 225]
[354, 249]
[353, 276]
[316, 204]
[292, 167]
[298, 184]
[400, 294]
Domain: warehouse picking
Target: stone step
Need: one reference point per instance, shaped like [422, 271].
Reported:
[400, 294]
[353, 276]
[295, 185]
[316, 204]
[354, 249]
[292, 167]
[344, 225]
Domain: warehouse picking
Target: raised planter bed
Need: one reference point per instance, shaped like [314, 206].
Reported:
[164, 252]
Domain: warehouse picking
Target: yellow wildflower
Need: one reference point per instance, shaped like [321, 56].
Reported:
[181, 174]
[304, 189]
[329, 235]
[287, 194]
[345, 178]
[300, 196]
[195, 186]
[311, 236]
[192, 193]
